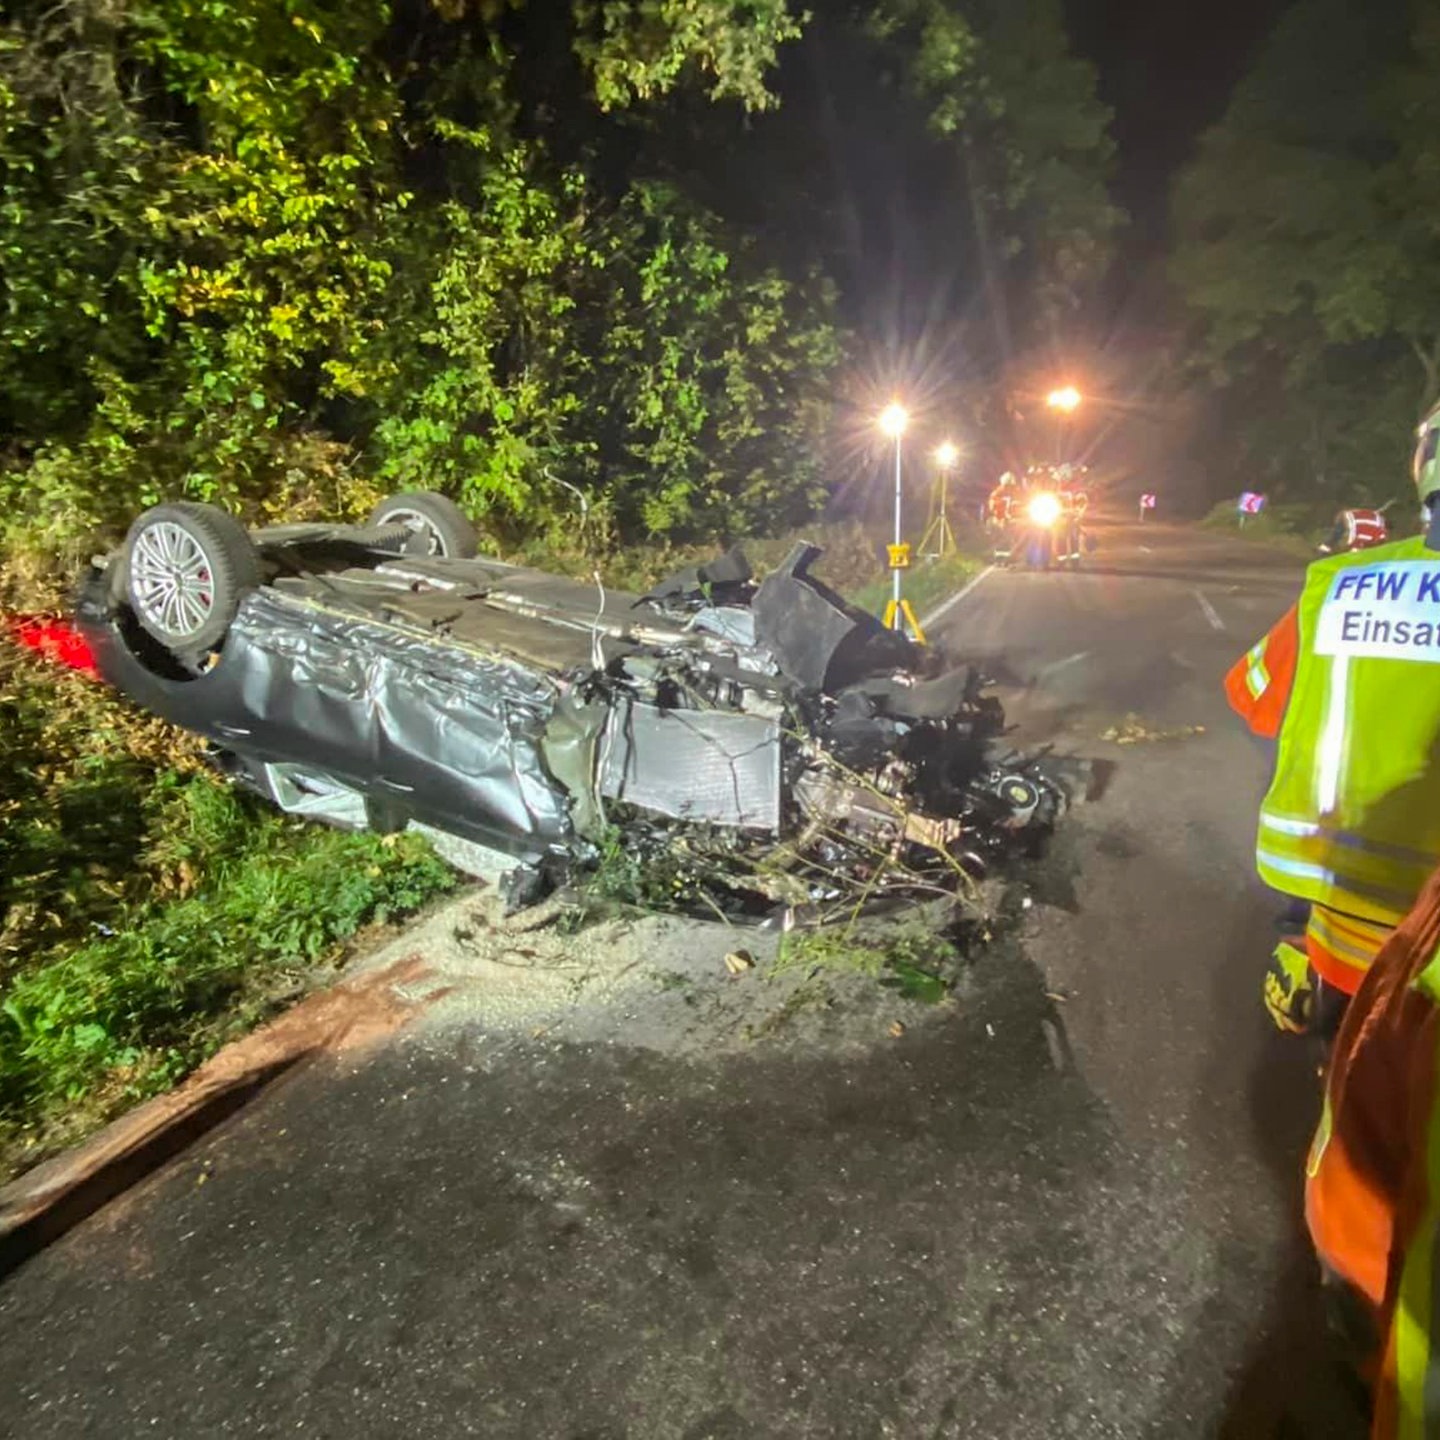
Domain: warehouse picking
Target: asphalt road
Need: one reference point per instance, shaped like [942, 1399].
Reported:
[1066, 1206]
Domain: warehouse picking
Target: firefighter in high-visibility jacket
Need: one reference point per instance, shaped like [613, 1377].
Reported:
[1001, 501]
[1351, 822]
[1074, 502]
[1001, 510]
[1372, 1177]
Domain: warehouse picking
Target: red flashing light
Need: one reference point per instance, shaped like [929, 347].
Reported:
[54, 640]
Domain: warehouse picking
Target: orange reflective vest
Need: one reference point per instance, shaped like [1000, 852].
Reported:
[1258, 685]
[1372, 1183]
[1002, 503]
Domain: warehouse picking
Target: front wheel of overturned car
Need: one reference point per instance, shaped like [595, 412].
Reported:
[436, 520]
[187, 567]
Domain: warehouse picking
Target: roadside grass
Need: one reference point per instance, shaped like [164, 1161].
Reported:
[624, 878]
[854, 555]
[148, 911]
[1295, 529]
[924, 585]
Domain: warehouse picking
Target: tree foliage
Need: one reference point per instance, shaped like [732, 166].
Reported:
[961, 156]
[1309, 245]
[1001, 79]
[295, 251]
[640, 49]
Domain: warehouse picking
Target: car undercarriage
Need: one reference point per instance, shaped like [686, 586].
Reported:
[761, 742]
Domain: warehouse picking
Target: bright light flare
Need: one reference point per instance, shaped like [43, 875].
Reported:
[946, 454]
[893, 419]
[1044, 509]
[1066, 398]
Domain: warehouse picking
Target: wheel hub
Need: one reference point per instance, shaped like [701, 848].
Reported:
[170, 579]
[417, 524]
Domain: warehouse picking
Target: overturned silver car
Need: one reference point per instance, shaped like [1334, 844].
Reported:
[769, 743]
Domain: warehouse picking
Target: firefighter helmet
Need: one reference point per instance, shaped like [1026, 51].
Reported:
[1356, 530]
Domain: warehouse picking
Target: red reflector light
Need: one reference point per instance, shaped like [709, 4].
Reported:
[55, 640]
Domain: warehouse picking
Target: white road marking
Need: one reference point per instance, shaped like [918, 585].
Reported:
[1064, 664]
[1146, 550]
[945, 606]
[1216, 623]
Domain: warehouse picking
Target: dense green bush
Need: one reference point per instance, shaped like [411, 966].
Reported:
[299, 250]
[1298, 529]
[261, 267]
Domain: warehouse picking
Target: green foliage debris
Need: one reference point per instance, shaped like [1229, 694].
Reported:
[916, 958]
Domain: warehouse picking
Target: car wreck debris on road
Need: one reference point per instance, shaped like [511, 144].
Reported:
[763, 742]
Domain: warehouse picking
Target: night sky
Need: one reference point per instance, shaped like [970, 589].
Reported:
[898, 236]
[1167, 68]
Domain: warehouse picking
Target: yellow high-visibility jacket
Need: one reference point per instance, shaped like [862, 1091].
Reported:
[1352, 818]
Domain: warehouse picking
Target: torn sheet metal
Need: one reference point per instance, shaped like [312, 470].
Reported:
[698, 582]
[570, 746]
[755, 743]
[818, 639]
[695, 765]
[313, 796]
[730, 622]
[447, 734]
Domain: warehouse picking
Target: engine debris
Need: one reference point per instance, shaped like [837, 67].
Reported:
[721, 744]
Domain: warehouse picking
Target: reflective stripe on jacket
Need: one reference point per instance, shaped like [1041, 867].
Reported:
[1341, 948]
[1364, 528]
[1352, 817]
[1258, 685]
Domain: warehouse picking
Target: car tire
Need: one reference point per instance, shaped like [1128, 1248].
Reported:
[187, 567]
[448, 534]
